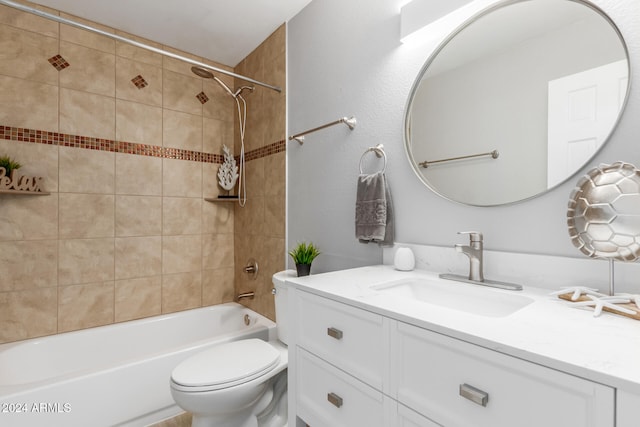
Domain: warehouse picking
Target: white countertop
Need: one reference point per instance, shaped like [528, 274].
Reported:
[549, 332]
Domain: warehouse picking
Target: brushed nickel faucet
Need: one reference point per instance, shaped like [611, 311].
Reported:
[476, 276]
[474, 252]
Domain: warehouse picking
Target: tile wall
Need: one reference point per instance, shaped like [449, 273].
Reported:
[260, 225]
[129, 144]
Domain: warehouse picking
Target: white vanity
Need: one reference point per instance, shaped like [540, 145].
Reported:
[364, 354]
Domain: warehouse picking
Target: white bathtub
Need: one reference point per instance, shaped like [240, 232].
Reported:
[115, 375]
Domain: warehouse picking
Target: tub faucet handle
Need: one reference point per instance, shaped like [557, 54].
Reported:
[251, 268]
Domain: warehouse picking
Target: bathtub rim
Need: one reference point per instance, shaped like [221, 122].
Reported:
[17, 389]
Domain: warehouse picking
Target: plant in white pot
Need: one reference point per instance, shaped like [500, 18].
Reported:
[303, 255]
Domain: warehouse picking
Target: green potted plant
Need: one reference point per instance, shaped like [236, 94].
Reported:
[303, 255]
[9, 165]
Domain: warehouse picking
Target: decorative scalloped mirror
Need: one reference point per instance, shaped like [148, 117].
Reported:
[516, 101]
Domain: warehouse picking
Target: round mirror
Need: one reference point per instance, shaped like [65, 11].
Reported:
[516, 101]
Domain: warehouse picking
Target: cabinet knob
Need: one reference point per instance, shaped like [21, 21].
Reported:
[474, 394]
[334, 399]
[335, 333]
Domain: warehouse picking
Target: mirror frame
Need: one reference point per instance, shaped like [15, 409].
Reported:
[469, 21]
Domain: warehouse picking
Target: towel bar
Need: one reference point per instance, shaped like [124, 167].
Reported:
[494, 155]
[350, 122]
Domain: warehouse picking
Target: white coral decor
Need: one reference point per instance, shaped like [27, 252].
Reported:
[228, 172]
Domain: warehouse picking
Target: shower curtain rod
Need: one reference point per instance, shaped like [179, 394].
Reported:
[134, 43]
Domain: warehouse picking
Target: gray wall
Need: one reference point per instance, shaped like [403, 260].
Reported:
[345, 58]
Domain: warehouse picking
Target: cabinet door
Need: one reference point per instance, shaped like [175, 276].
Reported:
[354, 340]
[326, 396]
[627, 409]
[459, 384]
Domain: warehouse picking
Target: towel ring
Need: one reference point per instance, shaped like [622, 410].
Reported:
[379, 152]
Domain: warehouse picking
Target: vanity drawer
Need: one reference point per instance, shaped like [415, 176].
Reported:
[354, 340]
[431, 373]
[326, 396]
[410, 418]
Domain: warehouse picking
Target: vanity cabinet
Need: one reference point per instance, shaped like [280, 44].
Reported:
[351, 339]
[341, 361]
[353, 367]
[328, 396]
[460, 384]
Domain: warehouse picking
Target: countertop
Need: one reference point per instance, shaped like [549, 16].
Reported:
[604, 349]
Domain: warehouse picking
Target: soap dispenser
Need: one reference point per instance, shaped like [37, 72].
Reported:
[404, 259]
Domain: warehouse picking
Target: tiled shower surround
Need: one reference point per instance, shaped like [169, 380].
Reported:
[129, 144]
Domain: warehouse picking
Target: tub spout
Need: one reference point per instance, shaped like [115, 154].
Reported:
[249, 295]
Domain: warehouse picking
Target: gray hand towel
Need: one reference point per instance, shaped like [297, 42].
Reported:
[374, 210]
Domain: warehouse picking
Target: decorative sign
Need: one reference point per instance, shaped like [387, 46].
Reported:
[17, 182]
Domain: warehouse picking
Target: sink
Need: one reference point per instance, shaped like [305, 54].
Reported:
[463, 297]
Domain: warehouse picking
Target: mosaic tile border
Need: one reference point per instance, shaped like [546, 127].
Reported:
[89, 143]
[267, 150]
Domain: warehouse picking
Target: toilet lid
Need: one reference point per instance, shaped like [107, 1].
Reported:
[226, 365]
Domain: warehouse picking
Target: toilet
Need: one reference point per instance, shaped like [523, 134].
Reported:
[240, 383]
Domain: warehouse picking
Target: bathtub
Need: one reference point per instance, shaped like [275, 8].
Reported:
[115, 375]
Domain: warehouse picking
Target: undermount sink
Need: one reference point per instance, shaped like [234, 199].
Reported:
[463, 297]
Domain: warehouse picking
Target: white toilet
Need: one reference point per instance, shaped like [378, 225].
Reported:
[240, 383]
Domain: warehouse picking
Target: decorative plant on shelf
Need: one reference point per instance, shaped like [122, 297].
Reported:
[303, 255]
[9, 165]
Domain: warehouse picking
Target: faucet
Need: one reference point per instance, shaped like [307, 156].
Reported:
[474, 252]
[249, 295]
[476, 277]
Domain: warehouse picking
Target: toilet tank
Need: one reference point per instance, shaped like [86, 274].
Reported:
[281, 298]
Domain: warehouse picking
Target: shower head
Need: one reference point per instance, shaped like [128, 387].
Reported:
[206, 74]
[201, 72]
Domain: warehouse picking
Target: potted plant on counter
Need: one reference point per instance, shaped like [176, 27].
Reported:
[303, 255]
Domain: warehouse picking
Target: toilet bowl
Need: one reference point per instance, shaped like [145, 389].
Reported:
[240, 383]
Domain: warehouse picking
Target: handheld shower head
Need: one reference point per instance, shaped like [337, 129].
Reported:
[242, 120]
[242, 88]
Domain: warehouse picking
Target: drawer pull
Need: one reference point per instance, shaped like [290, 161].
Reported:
[473, 394]
[334, 399]
[335, 333]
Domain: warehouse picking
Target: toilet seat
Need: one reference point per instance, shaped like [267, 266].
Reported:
[225, 365]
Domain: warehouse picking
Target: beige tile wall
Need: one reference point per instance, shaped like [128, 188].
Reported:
[124, 236]
[260, 226]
